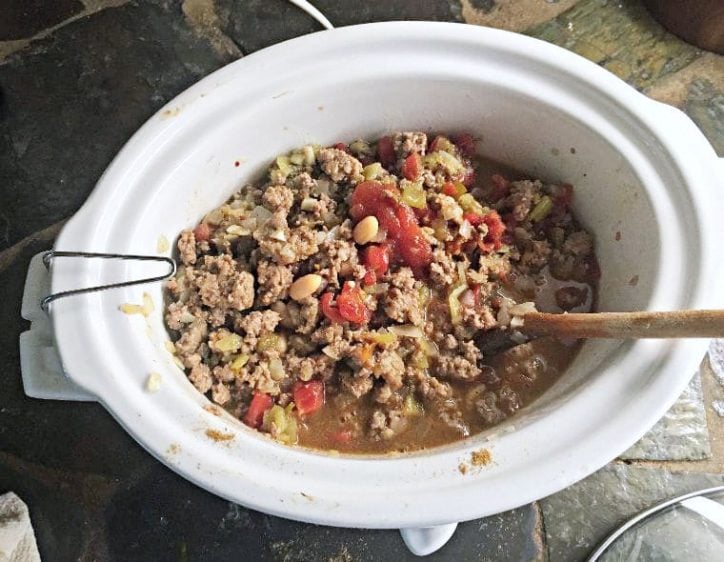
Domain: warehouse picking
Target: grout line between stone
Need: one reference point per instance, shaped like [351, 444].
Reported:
[7, 48]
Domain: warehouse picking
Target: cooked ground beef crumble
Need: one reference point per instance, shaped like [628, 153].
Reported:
[360, 298]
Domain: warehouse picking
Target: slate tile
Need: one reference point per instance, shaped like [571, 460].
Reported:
[578, 518]
[70, 101]
[256, 24]
[620, 36]
[175, 520]
[681, 434]
[24, 18]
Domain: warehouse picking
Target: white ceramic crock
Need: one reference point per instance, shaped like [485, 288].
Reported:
[645, 180]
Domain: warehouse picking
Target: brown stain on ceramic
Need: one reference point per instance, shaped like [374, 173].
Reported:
[173, 449]
[219, 436]
[481, 457]
[212, 410]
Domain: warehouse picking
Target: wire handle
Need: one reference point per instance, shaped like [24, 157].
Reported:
[52, 254]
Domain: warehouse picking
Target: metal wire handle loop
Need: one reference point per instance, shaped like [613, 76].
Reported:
[52, 254]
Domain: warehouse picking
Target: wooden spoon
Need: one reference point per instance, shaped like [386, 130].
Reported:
[627, 325]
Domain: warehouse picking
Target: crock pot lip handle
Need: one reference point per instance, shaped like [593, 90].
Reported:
[422, 541]
[40, 364]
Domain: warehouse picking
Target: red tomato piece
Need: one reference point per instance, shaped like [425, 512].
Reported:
[466, 143]
[412, 168]
[352, 306]
[386, 152]
[468, 177]
[376, 259]
[496, 228]
[308, 396]
[329, 310]
[397, 219]
[202, 232]
[564, 195]
[342, 436]
[415, 252]
[260, 403]
[433, 143]
[370, 278]
[501, 187]
[450, 189]
[473, 218]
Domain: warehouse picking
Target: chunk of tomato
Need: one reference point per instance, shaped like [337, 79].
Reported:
[376, 259]
[386, 152]
[202, 232]
[329, 310]
[308, 396]
[412, 167]
[415, 252]
[496, 228]
[352, 306]
[465, 143]
[260, 403]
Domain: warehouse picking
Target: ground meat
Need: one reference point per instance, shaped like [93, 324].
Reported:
[220, 393]
[374, 378]
[199, 373]
[535, 257]
[338, 258]
[255, 323]
[443, 269]
[578, 243]
[308, 315]
[306, 368]
[402, 301]
[456, 367]
[191, 339]
[568, 298]
[278, 198]
[408, 143]
[523, 195]
[385, 424]
[187, 247]
[222, 285]
[274, 281]
[340, 166]
[446, 207]
[389, 366]
[359, 383]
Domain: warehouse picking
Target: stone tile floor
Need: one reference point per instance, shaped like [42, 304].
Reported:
[77, 77]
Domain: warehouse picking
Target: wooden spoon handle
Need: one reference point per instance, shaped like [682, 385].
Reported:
[627, 325]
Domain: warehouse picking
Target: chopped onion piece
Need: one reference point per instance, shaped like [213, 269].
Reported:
[278, 235]
[468, 298]
[153, 382]
[276, 369]
[407, 330]
[518, 338]
[465, 230]
[329, 352]
[381, 235]
[377, 288]
[522, 308]
[261, 213]
[309, 204]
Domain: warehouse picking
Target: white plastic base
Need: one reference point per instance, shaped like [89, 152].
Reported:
[40, 365]
[426, 540]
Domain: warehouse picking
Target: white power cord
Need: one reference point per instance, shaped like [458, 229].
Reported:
[312, 11]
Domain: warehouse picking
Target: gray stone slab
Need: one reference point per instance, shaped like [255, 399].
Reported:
[70, 101]
[681, 434]
[581, 516]
[255, 24]
[163, 507]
